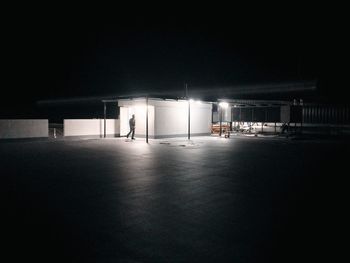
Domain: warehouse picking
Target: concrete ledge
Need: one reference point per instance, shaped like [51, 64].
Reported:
[31, 139]
[171, 135]
[181, 135]
[89, 127]
[23, 128]
[91, 136]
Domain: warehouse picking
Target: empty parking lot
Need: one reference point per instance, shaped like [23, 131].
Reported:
[204, 200]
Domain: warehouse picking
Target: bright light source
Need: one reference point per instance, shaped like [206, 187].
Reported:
[223, 105]
[192, 101]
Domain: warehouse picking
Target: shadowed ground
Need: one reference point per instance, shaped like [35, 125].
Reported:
[208, 200]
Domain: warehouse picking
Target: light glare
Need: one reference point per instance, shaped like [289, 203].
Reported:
[223, 104]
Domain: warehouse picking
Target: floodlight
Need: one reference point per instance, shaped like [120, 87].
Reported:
[223, 104]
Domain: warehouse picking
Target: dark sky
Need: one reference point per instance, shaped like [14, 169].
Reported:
[61, 54]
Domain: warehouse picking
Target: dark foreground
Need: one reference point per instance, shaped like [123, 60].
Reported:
[212, 200]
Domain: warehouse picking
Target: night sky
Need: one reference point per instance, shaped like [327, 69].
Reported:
[78, 53]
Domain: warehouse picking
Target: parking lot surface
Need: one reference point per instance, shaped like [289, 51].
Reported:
[206, 200]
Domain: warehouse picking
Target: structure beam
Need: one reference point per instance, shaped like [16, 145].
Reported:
[104, 119]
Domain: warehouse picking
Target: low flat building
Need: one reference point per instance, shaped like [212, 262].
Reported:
[165, 118]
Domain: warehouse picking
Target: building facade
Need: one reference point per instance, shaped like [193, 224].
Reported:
[165, 118]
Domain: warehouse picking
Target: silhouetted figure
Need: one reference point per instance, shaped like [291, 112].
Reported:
[132, 127]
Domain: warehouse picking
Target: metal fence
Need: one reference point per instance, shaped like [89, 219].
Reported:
[326, 114]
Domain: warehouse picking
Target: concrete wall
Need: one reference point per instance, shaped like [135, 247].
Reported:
[140, 115]
[167, 118]
[91, 127]
[201, 118]
[32, 128]
[171, 118]
[124, 120]
[139, 109]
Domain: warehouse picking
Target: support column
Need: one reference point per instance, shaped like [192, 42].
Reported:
[189, 119]
[104, 119]
[146, 119]
[302, 119]
[220, 109]
[251, 123]
[240, 114]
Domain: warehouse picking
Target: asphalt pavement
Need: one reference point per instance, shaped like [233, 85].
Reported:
[210, 199]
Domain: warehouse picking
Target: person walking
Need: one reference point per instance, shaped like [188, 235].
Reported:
[132, 127]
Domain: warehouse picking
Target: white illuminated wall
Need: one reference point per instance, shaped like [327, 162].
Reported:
[30, 128]
[166, 118]
[90, 127]
[171, 118]
[201, 118]
[137, 107]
